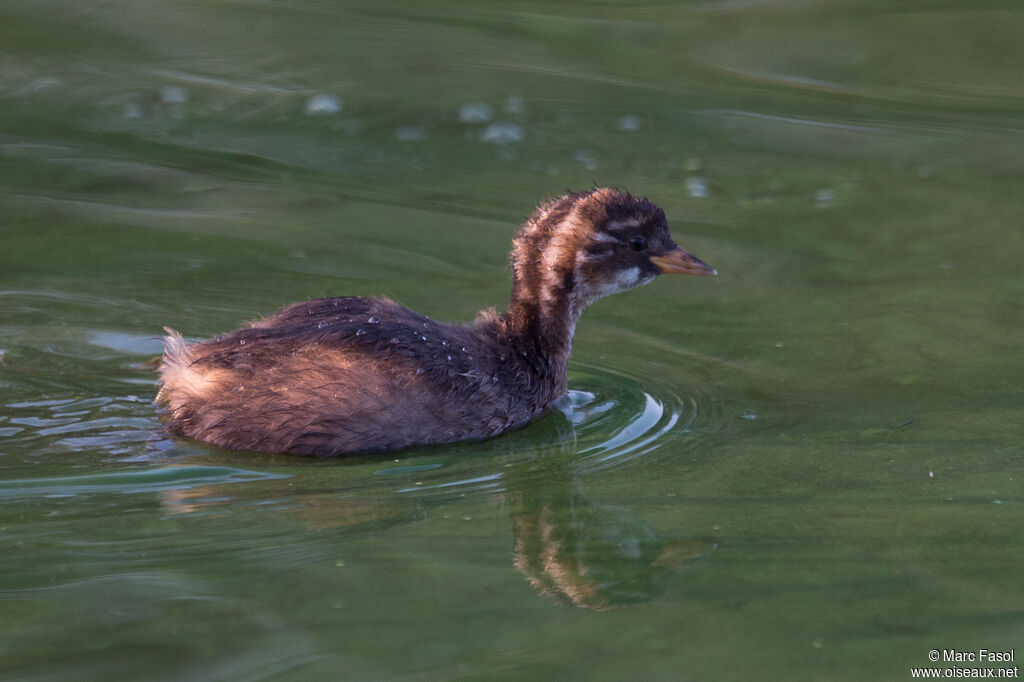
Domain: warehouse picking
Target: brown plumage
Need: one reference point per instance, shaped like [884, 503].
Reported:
[341, 375]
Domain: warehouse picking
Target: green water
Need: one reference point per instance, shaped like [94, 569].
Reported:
[807, 468]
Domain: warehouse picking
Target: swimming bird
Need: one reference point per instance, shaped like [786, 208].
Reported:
[340, 375]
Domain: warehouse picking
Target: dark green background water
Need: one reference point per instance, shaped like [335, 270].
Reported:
[807, 468]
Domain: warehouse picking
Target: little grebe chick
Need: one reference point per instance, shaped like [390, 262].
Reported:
[341, 375]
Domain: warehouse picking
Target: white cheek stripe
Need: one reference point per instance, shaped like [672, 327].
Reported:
[628, 278]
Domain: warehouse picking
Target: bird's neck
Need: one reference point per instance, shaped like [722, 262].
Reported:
[546, 301]
[539, 325]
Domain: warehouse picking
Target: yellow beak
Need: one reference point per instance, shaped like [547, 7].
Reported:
[679, 261]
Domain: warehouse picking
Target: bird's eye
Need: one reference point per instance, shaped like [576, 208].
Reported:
[637, 243]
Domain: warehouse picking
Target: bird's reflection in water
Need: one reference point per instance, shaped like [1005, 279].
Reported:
[588, 554]
[568, 546]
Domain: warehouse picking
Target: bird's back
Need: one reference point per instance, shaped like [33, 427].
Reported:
[338, 375]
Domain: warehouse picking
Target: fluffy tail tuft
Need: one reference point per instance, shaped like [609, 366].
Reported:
[177, 354]
[175, 370]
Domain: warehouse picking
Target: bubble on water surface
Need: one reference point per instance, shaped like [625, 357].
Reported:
[323, 104]
[513, 105]
[475, 112]
[697, 187]
[502, 132]
[585, 158]
[628, 122]
[173, 94]
[410, 133]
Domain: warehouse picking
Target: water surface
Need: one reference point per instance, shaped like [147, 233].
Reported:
[808, 467]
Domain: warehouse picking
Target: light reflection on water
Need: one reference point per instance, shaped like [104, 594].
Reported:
[133, 481]
[609, 419]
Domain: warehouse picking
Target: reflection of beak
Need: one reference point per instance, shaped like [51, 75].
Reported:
[682, 262]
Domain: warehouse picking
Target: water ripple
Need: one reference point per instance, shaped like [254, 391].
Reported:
[135, 481]
[119, 427]
[609, 419]
[619, 418]
[612, 417]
